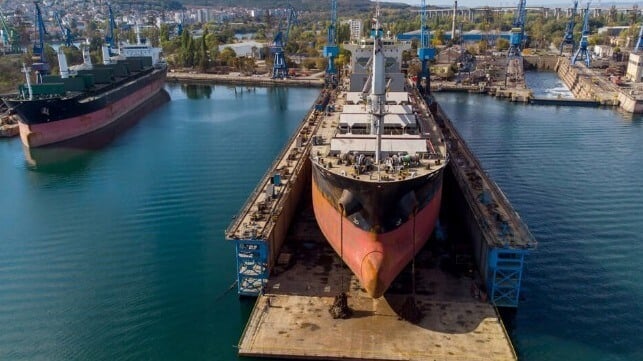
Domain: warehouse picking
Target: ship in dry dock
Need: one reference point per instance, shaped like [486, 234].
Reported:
[377, 172]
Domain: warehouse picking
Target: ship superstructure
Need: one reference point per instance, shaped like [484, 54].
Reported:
[377, 169]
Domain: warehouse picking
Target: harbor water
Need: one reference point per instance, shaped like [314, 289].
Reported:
[119, 252]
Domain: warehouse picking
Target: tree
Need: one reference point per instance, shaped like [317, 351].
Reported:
[227, 56]
[502, 44]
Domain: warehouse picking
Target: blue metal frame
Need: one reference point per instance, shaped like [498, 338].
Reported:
[331, 50]
[505, 276]
[252, 266]
[583, 53]
[568, 39]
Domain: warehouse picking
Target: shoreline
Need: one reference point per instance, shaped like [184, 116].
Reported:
[261, 80]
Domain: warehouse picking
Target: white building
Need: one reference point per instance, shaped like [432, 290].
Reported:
[635, 68]
[603, 51]
[356, 29]
[249, 49]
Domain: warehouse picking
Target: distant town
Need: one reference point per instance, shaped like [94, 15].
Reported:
[227, 39]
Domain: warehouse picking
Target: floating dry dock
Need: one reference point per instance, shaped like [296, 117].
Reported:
[283, 259]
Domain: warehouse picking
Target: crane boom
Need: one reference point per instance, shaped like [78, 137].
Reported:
[518, 31]
[65, 32]
[568, 39]
[109, 37]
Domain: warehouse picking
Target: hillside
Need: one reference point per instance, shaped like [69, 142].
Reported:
[313, 5]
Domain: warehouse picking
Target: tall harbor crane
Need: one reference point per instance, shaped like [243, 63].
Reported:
[179, 27]
[40, 65]
[568, 38]
[518, 31]
[515, 72]
[331, 50]
[109, 36]
[10, 37]
[425, 52]
[65, 32]
[582, 52]
[280, 67]
[639, 42]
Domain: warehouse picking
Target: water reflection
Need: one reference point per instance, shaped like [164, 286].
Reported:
[75, 154]
[195, 91]
[278, 98]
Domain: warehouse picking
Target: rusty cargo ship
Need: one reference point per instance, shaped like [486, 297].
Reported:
[378, 170]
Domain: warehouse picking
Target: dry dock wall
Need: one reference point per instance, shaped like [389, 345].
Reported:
[500, 239]
[260, 228]
[540, 62]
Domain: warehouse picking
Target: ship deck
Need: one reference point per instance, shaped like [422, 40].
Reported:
[322, 149]
[291, 319]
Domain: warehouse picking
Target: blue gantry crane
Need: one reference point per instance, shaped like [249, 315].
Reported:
[331, 50]
[65, 32]
[109, 36]
[40, 65]
[568, 38]
[425, 52]
[280, 67]
[518, 31]
[582, 53]
[179, 27]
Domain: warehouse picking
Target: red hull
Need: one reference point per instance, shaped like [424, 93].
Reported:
[37, 135]
[375, 258]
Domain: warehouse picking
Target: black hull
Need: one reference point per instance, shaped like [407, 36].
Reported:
[378, 207]
[46, 110]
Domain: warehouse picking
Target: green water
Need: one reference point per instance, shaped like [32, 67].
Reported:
[119, 253]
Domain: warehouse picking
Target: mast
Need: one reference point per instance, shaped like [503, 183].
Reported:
[378, 85]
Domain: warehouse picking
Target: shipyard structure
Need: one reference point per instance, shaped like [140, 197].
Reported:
[501, 240]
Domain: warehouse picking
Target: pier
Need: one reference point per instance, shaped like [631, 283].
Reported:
[284, 261]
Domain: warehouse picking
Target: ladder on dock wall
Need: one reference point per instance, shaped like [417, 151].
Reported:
[505, 276]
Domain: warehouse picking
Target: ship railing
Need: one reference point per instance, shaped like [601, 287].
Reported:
[265, 178]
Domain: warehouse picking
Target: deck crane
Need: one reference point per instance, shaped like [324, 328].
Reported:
[582, 52]
[109, 37]
[518, 31]
[331, 50]
[639, 42]
[40, 65]
[280, 67]
[568, 38]
[65, 32]
[426, 52]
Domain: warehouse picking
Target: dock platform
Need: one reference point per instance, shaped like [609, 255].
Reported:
[291, 319]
